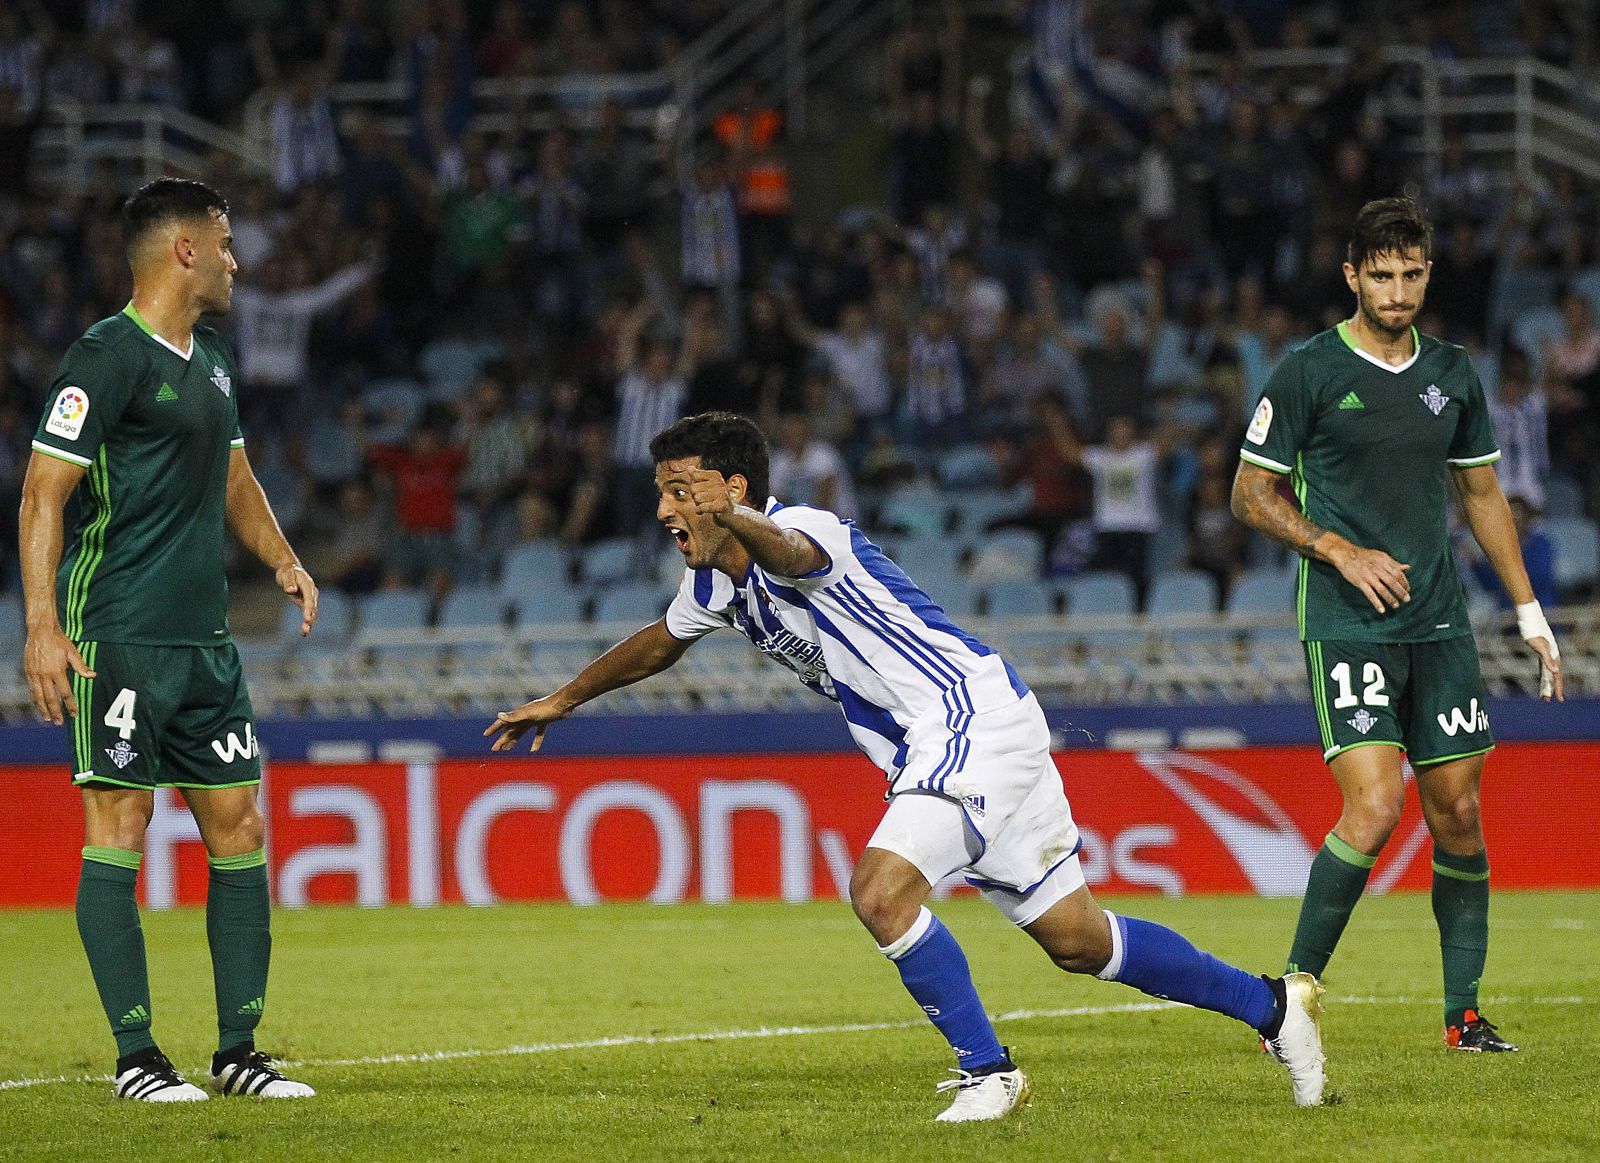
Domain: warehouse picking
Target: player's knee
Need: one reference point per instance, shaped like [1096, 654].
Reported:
[883, 907]
[237, 835]
[1369, 820]
[1458, 820]
[1083, 947]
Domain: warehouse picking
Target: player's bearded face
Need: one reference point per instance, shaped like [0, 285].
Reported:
[216, 266]
[1390, 289]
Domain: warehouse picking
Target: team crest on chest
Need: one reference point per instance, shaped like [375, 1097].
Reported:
[1434, 398]
[225, 382]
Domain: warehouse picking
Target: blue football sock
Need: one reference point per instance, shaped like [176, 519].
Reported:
[935, 973]
[1154, 959]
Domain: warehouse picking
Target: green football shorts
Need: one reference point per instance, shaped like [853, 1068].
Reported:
[1425, 697]
[163, 716]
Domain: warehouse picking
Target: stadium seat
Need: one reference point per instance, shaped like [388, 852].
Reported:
[610, 560]
[1577, 546]
[1261, 590]
[474, 606]
[1021, 598]
[632, 601]
[547, 603]
[968, 466]
[393, 408]
[395, 610]
[955, 595]
[1099, 592]
[1534, 327]
[974, 510]
[1563, 498]
[11, 627]
[535, 564]
[451, 365]
[1006, 554]
[928, 560]
[1516, 289]
[917, 511]
[1183, 591]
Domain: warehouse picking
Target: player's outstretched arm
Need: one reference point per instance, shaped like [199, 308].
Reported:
[48, 654]
[1257, 502]
[640, 655]
[1489, 517]
[251, 519]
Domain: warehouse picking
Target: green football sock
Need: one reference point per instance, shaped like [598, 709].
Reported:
[1338, 876]
[237, 928]
[1461, 906]
[108, 923]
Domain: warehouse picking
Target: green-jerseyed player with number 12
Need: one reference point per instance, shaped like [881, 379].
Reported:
[1371, 420]
[128, 629]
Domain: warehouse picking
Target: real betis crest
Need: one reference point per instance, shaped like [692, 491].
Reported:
[225, 382]
[1434, 398]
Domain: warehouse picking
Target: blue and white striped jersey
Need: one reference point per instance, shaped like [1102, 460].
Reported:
[859, 632]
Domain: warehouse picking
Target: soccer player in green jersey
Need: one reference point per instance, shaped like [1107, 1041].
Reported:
[128, 629]
[1369, 421]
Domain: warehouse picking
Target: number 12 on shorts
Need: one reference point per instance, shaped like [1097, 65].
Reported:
[1371, 675]
[119, 717]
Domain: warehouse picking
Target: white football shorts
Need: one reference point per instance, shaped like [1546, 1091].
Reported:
[996, 812]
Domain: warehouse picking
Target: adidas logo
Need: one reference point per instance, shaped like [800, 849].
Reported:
[1351, 401]
[253, 1006]
[166, 393]
[137, 1016]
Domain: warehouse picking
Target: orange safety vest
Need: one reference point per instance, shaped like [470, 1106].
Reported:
[764, 185]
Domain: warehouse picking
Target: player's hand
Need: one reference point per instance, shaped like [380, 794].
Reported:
[46, 659]
[1377, 575]
[1549, 653]
[511, 726]
[302, 590]
[709, 492]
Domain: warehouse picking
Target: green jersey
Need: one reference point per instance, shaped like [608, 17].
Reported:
[1369, 446]
[154, 427]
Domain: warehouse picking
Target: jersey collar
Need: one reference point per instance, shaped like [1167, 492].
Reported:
[1396, 368]
[132, 312]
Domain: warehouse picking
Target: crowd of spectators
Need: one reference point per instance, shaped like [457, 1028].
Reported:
[1081, 268]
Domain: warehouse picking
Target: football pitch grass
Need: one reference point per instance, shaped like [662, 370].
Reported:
[764, 1031]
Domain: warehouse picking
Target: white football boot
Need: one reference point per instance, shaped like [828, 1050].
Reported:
[256, 1077]
[984, 1096]
[1298, 1046]
[156, 1080]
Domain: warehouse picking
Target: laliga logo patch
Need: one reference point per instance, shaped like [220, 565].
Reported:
[68, 413]
[1260, 423]
[222, 380]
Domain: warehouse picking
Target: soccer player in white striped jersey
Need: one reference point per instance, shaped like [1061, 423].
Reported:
[972, 787]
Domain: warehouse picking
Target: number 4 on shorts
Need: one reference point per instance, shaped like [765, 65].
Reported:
[120, 715]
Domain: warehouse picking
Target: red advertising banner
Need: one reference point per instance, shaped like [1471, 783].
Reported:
[788, 827]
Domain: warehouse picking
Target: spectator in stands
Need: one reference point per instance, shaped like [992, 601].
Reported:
[358, 47]
[649, 396]
[1573, 354]
[808, 471]
[614, 168]
[423, 475]
[1127, 478]
[1018, 176]
[1028, 365]
[1049, 462]
[274, 319]
[147, 69]
[709, 238]
[936, 395]
[1538, 554]
[978, 302]
[1218, 543]
[496, 442]
[304, 141]
[506, 49]
[750, 131]
[1115, 367]
[23, 52]
[351, 548]
[857, 355]
[1522, 430]
[923, 156]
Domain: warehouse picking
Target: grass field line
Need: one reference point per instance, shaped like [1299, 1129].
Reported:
[620, 1040]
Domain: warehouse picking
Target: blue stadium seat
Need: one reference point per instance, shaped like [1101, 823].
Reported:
[534, 565]
[1183, 591]
[929, 560]
[1006, 554]
[955, 595]
[1534, 327]
[474, 606]
[976, 509]
[548, 603]
[917, 511]
[1021, 598]
[1577, 546]
[393, 408]
[610, 560]
[634, 601]
[968, 466]
[1099, 592]
[1261, 590]
[395, 610]
[451, 365]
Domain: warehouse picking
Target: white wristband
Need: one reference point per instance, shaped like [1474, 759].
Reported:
[1531, 624]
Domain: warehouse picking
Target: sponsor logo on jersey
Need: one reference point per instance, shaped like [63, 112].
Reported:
[1434, 398]
[67, 414]
[974, 804]
[222, 380]
[1472, 719]
[231, 748]
[1363, 720]
[1350, 402]
[1260, 423]
[122, 754]
[165, 394]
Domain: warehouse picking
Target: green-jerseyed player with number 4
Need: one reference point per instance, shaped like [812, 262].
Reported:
[128, 628]
[1370, 420]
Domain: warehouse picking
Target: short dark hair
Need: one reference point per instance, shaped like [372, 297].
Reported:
[1389, 226]
[164, 200]
[724, 442]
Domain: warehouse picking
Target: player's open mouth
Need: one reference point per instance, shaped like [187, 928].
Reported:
[681, 536]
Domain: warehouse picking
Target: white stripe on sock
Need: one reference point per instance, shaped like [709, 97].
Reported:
[1114, 966]
[898, 949]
